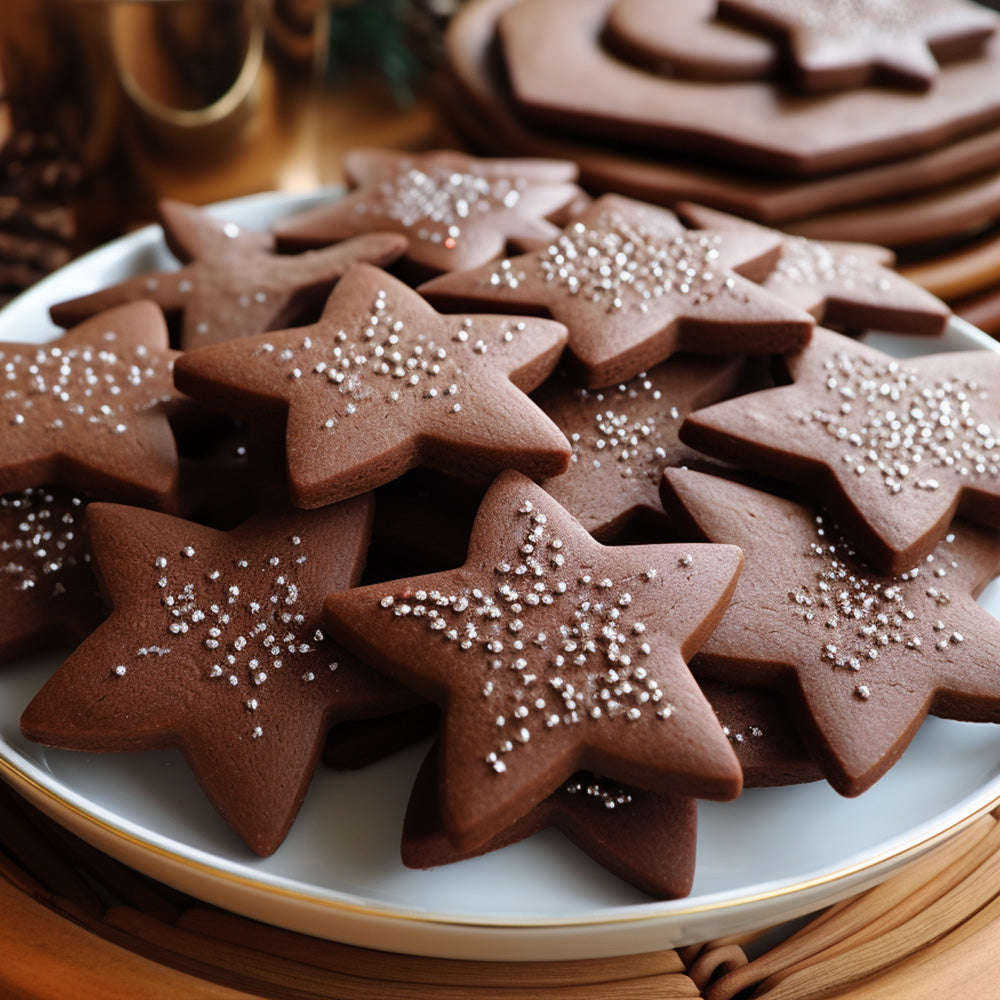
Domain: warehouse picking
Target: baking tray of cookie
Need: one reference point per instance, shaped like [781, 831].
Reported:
[769, 856]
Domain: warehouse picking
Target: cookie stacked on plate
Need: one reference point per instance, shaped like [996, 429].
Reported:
[846, 121]
[335, 501]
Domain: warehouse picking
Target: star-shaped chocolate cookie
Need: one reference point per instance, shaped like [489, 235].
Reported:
[760, 728]
[383, 383]
[625, 436]
[231, 282]
[550, 654]
[860, 657]
[456, 211]
[89, 410]
[214, 645]
[645, 838]
[895, 448]
[843, 44]
[49, 593]
[846, 285]
[634, 286]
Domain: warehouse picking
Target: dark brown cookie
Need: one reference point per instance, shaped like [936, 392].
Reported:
[895, 448]
[215, 646]
[624, 437]
[561, 77]
[842, 44]
[476, 103]
[231, 283]
[550, 654]
[860, 657]
[49, 593]
[352, 745]
[846, 285]
[684, 38]
[383, 383]
[456, 211]
[89, 411]
[633, 286]
[763, 734]
[645, 838]
[961, 209]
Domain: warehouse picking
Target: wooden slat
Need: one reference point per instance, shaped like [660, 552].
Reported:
[220, 925]
[286, 978]
[43, 956]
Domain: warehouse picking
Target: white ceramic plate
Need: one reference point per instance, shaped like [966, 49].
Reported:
[772, 855]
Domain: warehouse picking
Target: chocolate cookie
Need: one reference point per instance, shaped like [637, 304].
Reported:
[561, 77]
[550, 654]
[456, 211]
[841, 44]
[50, 595]
[685, 38]
[846, 285]
[645, 838]
[625, 436]
[633, 286]
[859, 656]
[214, 645]
[356, 744]
[962, 209]
[383, 383]
[89, 411]
[760, 728]
[231, 282]
[476, 103]
[895, 448]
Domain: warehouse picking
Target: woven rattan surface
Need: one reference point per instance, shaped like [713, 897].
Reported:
[75, 923]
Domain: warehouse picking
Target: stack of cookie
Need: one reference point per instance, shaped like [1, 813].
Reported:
[833, 120]
[450, 517]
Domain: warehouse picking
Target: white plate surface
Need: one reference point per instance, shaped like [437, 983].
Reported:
[772, 855]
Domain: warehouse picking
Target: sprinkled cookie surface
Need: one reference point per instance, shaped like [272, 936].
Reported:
[383, 383]
[88, 411]
[231, 282]
[457, 211]
[633, 286]
[840, 44]
[763, 734]
[214, 645]
[900, 446]
[623, 438]
[49, 590]
[550, 653]
[847, 285]
[860, 656]
[645, 838]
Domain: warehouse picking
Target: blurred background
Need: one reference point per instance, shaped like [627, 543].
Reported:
[106, 105]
